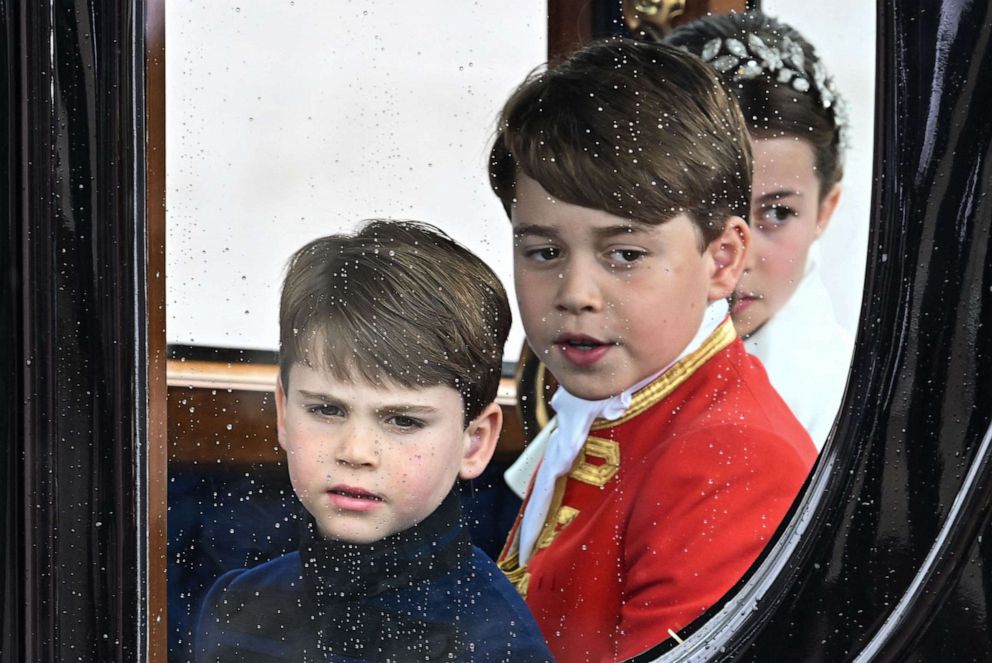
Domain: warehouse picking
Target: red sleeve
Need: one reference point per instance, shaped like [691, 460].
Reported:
[706, 507]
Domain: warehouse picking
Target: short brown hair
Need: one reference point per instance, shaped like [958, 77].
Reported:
[772, 107]
[637, 130]
[397, 301]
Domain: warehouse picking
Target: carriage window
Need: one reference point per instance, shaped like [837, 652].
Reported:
[292, 121]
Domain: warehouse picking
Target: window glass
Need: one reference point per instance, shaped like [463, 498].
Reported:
[290, 120]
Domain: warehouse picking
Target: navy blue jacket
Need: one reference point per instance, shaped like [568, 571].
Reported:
[425, 594]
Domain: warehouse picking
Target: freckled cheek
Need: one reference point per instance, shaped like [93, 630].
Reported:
[413, 485]
[411, 461]
[419, 475]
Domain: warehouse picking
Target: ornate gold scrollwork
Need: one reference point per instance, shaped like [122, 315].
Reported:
[663, 9]
[653, 16]
[566, 514]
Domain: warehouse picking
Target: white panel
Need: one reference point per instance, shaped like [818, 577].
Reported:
[292, 120]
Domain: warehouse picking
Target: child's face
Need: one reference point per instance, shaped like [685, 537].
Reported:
[786, 217]
[606, 302]
[370, 461]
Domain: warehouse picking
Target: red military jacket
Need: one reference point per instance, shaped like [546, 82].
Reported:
[665, 508]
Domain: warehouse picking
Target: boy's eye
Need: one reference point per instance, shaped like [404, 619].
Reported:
[404, 422]
[542, 253]
[325, 410]
[626, 256]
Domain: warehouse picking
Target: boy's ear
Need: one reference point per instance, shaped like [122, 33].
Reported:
[480, 441]
[727, 253]
[827, 207]
[281, 413]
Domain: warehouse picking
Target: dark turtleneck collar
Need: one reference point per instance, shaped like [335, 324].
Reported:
[369, 599]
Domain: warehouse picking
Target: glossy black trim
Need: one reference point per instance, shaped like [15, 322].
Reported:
[73, 306]
[882, 560]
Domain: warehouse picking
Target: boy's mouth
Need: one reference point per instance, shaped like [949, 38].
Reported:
[351, 492]
[582, 350]
[579, 341]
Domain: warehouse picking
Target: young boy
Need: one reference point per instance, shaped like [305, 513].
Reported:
[625, 171]
[391, 342]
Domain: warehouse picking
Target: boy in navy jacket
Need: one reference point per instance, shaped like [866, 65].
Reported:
[390, 354]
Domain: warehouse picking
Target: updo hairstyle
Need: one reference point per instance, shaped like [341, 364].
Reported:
[779, 81]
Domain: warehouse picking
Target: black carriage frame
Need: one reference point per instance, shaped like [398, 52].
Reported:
[886, 557]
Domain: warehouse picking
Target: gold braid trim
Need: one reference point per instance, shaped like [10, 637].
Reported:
[597, 475]
[541, 413]
[667, 382]
[566, 515]
[518, 575]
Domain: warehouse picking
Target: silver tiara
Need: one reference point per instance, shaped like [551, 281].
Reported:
[787, 65]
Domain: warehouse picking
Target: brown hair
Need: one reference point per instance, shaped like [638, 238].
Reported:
[637, 130]
[397, 301]
[773, 108]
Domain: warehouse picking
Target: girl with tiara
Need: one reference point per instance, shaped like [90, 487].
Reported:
[797, 122]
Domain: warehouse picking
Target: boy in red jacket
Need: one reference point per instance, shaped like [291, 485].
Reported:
[626, 173]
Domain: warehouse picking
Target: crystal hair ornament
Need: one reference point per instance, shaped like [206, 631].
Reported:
[785, 64]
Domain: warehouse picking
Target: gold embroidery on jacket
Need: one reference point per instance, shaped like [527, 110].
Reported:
[597, 474]
[566, 515]
[518, 575]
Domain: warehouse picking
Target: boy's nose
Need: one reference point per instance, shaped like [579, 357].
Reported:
[578, 291]
[357, 447]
